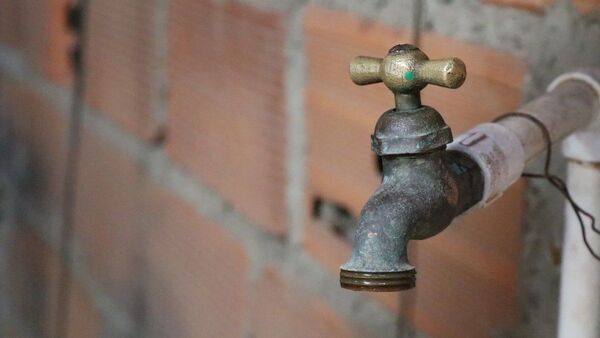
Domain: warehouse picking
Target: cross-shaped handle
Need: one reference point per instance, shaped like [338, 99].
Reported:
[406, 70]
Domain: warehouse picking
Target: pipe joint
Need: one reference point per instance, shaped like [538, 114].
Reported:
[499, 154]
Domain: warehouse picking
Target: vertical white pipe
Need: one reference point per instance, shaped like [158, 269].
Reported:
[579, 314]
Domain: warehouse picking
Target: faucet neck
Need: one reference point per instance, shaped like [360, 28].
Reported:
[409, 101]
[409, 129]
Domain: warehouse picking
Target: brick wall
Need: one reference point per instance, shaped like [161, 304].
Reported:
[216, 136]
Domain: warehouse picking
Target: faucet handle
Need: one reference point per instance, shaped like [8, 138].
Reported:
[407, 70]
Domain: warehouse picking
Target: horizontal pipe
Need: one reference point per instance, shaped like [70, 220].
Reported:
[569, 106]
[503, 148]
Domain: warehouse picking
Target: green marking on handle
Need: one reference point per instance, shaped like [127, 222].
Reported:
[409, 76]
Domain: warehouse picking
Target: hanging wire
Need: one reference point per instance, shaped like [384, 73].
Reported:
[76, 21]
[557, 182]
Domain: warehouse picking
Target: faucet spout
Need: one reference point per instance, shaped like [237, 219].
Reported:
[419, 197]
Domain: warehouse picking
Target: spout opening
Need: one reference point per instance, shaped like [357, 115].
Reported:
[377, 281]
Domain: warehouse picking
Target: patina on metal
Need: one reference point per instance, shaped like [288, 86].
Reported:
[424, 185]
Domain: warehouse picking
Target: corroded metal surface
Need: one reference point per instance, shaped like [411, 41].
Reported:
[419, 130]
[424, 185]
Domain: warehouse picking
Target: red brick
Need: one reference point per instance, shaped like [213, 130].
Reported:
[38, 29]
[23, 26]
[197, 274]
[60, 42]
[586, 6]
[38, 125]
[478, 247]
[226, 109]
[531, 5]
[280, 310]
[122, 64]
[113, 201]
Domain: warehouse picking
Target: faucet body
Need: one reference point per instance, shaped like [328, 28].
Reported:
[419, 197]
[424, 186]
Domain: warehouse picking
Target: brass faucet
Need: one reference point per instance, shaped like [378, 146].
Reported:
[424, 186]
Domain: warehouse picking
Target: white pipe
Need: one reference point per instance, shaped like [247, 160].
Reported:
[579, 314]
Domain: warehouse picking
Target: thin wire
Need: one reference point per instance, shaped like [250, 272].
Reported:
[556, 181]
[418, 14]
[70, 178]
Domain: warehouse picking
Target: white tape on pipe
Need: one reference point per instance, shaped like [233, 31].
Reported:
[499, 154]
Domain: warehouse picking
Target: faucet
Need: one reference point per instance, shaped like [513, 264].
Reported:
[424, 186]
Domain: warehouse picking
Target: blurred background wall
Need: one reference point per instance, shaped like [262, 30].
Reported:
[225, 157]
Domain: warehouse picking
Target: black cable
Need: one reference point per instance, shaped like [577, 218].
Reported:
[556, 181]
[76, 21]
[418, 13]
